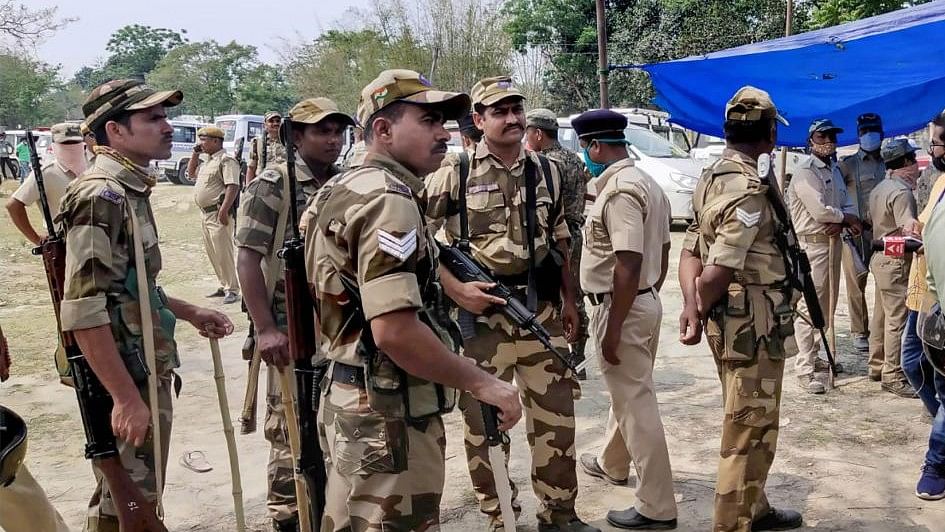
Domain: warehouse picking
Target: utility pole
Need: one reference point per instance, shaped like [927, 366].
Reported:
[782, 160]
[603, 68]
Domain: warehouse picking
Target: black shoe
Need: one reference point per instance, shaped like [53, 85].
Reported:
[902, 389]
[592, 467]
[875, 377]
[218, 293]
[631, 519]
[574, 525]
[289, 525]
[230, 298]
[778, 520]
[249, 346]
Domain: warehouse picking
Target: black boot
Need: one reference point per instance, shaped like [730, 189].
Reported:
[778, 520]
[631, 519]
[289, 525]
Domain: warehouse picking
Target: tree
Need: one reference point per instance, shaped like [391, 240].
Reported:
[263, 89]
[827, 13]
[21, 25]
[26, 86]
[134, 51]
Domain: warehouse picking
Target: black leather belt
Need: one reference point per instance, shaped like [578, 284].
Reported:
[210, 209]
[346, 374]
[597, 299]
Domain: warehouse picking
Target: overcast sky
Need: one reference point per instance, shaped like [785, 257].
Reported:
[264, 24]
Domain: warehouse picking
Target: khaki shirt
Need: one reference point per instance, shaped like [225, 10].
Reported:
[631, 213]
[734, 223]
[262, 204]
[861, 173]
[495, 201]
[933, 235]
[55, 180]
[213, 176]
[369, 230]
[892, 206]
[355, 156]
[813, 199]
[917, 296]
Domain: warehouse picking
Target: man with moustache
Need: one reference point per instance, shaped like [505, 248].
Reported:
[263, 155]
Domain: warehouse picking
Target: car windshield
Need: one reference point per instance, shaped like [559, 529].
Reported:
[186, 134]
[653, 145]
[229, 129]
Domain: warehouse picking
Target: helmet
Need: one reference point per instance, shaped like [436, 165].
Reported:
[12, 445]
[932, 332]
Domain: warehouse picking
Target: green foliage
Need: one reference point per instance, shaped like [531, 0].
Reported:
[26, 86]
[263, 89]
[134, 51]
[827, 13]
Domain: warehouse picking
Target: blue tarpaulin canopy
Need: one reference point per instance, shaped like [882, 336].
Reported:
[892, 64]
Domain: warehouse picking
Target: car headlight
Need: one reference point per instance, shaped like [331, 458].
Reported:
[686, 182]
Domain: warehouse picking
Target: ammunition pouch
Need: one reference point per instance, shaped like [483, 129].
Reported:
[126, 328]
[12, 445]
[748, 316]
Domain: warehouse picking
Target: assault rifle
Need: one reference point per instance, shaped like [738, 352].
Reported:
[300, 311]
[135, 512]
[466, 269]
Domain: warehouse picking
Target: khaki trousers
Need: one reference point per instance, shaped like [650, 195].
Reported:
[634, 428]
[825, 270]
[218, 239]
[856, 294]
[889, 317]
[24, 506]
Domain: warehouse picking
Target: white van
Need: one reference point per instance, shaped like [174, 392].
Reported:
[670, 166]
[185, 137]
[239, 127]
[657, 122]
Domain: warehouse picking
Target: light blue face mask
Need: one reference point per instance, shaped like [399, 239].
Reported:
[871, 140]
[596, 169]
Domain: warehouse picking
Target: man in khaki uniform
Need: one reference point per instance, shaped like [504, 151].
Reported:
[218, 183]
[495, 194]
[70, 162]
[104, 212]
[819, 210]
[861, 172]
[623, 265]
[372, 264]
[262, 155]
[893, 211]
[733, 273]
[541, 134]
[318, 129]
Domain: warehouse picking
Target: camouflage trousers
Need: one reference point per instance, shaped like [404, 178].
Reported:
[383, 474]
[24, 506]
[139, 462]
[751, 393]
[280, 500]
[548, 391]
[577, 243]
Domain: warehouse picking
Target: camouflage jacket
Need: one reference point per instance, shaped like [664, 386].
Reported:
[261, 205]
[275, 153]
[574, 178]
[100, 280]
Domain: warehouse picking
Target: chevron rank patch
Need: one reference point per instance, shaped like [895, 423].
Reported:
[750, 219]
[398, 247]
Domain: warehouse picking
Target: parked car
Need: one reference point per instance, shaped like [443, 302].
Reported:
[239, 126]
[185, 136]
[43, 142]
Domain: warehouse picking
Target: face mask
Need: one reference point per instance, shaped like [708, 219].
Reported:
[71, 156]
[939, 163]
[871, 140]
[909, 174]
[824, 150]
[596, 169]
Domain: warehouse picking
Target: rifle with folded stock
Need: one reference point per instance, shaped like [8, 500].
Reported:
[135, 512]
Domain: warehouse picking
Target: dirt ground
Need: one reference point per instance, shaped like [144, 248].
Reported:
[848, 460]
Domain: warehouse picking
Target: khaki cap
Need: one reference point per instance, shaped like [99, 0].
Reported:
[210, 131]
[751, 104]
[408, 86]
[113, 97]
[84, 128]
[491, 91]
[542, 119]
[66, 133]
[314, 110]
[271, 114]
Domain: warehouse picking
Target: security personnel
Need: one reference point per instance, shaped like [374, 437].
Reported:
[819, 210]
[541, 133]
[861, 172]
[495, 197]
[733, 275]
[318, 134]
[372, 264]
[100, 304]
[470, 134]
[623, 265]
[358, 150]
[262, 156]
[70, 162]
[893, 211]
[218, 183]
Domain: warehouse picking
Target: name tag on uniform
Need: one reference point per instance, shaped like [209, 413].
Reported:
[485, 187]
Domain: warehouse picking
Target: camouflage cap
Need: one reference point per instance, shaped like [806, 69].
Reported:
[314, 110]
[823, 125]
[211, 131]
[542, 119]
[271, 114]
[751, 104]
[893, 149]
[113, 97]
[66, 133]
[408, 86]
[491, 91]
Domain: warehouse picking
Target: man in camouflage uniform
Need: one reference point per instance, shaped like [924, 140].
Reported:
[495, 197]
[372, 264]
[733, 274]
[100, 304]
[271, 153]
[264, 225]
[358, 150]
[541, 133]
[215, 190]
